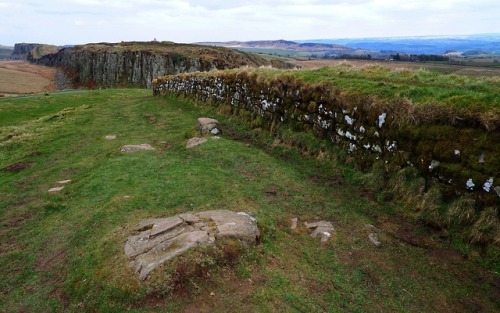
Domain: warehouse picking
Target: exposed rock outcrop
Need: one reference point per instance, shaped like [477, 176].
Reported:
[138, 63]
[207, 125]
[31, 51]
[22, 51]
[139, 147]
[161, 239]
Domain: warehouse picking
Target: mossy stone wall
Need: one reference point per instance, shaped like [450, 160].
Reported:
[463, 156]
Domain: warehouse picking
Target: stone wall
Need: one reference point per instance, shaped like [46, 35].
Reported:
[460, 151]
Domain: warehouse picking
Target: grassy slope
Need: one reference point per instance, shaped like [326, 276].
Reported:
[63, 252]
[18, 81]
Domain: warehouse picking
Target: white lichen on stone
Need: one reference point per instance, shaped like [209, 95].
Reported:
[469, 184]
[390, 146]
[350, 136]
[381, 119]
[434, 164]
[349, 120]
[488, 184]
[351, 148]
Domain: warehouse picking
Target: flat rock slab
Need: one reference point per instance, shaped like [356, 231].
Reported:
[159, 240]
[56, 189]
[195, 141]
[110, 137]
[207, 125]
[134, 148]
[374, 239]
[321, 229]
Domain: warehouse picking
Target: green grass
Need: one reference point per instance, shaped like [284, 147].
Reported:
[421, 87]
[64, 252]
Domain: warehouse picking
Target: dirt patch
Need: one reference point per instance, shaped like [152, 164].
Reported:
[17, 167]
[18, 220]
[34, 154]
[410, 233]
[50, 267]
[327, 181]
[446, 254]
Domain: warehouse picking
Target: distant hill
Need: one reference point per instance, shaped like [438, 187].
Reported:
[489, 43]
[284, 47]
[25, 51]
[5, 52]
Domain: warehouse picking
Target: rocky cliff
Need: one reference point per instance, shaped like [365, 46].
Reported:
[31, 51]
[138, 63]
[22, 51]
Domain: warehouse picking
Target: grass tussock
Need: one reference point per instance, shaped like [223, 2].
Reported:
[461, 212]
[487, 227]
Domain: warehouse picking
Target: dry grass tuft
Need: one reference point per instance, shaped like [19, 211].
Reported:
[461, 212]
[487, 227]
[430, 207]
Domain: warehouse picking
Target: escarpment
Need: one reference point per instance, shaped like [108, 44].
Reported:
[138, 63]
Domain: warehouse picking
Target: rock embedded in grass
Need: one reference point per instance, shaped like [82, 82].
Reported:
[134, 148]
[161, 239]
[321, 229]
[207, 125]
[56, 189]
[374, 239]
[110, 137]
[195, 141]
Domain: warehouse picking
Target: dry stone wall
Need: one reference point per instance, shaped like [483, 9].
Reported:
[464, 157]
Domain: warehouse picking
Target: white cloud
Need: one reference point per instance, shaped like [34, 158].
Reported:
[80, 21]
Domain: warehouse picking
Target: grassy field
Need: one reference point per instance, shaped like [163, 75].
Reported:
[21, 77]
[63, 252]
[469, 70]
[419, 86]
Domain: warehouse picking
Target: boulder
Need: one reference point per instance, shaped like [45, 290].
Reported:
[134, 148]
[159, 240]
[207, 125]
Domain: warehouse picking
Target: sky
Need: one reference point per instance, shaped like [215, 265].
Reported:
[61, 22]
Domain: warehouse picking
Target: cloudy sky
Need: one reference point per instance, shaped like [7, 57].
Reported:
[82, 21]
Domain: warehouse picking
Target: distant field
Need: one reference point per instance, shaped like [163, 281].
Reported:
[433, 67]
[5, 52]
[20, 77]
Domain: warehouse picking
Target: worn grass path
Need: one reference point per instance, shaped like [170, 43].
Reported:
[63, 251]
